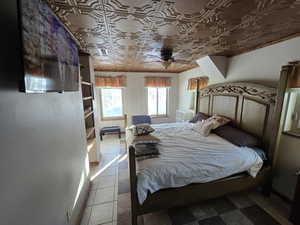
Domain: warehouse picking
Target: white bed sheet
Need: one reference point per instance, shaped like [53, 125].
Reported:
[187, 157]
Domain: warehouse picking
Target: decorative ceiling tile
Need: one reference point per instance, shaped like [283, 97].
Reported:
[127, 35]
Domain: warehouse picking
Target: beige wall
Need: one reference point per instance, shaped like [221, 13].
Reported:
[135, 96]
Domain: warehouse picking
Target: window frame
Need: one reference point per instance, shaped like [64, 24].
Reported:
[290, 132]
[101, 105]
[167, 103]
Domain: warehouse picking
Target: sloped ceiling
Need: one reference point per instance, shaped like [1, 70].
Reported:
[132, 32]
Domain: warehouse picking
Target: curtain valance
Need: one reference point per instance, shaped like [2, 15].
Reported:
[110, 81]
[197, 82]
[157, 82]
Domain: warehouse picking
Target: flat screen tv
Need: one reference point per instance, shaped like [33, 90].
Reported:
[50, 54]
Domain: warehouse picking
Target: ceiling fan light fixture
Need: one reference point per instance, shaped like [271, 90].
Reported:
[166, 64]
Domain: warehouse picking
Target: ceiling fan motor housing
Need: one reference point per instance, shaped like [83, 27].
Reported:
[166, 54]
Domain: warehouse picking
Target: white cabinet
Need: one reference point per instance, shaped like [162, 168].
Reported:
[184, 115]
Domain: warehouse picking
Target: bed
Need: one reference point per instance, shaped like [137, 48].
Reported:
[186, 173]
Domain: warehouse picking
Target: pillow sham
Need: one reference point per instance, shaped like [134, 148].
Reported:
[142, 129]
[218, 121]
[237, 136]
[198, 117]
[203, 127]
[145, 139]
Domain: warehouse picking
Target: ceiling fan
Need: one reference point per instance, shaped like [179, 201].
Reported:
[167, 58]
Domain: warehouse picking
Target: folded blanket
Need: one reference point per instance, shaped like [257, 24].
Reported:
[146, 151]
[140, 158]
[147, 139]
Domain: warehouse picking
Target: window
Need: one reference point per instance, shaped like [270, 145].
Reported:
[292, 117]
[111, 103]
[157, 101]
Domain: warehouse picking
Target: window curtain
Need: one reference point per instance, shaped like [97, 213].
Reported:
[193, 82]
[157, 82]
[110, 81]
[295, 78]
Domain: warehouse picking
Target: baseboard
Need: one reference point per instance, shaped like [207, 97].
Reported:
[283, 197]
[84, 198]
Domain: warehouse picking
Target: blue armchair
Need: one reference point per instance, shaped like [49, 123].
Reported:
[138, 119]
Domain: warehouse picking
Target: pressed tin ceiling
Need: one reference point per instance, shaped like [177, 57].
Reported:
[127, 35]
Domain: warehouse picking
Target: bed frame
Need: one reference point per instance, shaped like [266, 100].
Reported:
[251, 107]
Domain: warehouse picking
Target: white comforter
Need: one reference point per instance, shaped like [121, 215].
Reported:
[187, 157]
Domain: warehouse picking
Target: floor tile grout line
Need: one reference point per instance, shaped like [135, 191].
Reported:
[102, 203]
[90, 214]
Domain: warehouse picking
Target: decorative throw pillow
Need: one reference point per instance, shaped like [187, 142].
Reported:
[218, 121]
[203, 127]
[198, 117]
[142, 129]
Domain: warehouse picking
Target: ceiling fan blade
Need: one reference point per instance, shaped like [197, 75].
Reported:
[153, 62]
[156, 56]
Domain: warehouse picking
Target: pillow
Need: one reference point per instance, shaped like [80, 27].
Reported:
[218, 121]
[237, 136]
[142, 129]
[198, 117]
[261, 153]
[145, 139]
[203, 127]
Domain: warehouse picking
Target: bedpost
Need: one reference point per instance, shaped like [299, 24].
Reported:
[133, 185]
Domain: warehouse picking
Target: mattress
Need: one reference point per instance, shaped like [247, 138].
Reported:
[187, 157]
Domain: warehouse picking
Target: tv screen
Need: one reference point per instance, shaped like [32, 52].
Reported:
[51, 61]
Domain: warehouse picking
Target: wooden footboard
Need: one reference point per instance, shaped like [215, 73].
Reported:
[190, 194]
[133, 185]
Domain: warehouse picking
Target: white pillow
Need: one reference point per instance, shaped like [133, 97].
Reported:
[218, 121]
[203, 127]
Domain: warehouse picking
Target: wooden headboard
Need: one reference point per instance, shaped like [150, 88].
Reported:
[250, 106]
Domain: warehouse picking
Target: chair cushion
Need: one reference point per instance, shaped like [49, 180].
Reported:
[139, 119]
[110, 129]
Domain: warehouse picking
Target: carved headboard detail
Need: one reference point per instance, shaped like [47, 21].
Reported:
[250, 106]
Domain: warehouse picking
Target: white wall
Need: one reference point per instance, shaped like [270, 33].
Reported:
[259, 66]
[43, 148]
[135, 96]
[185, 98]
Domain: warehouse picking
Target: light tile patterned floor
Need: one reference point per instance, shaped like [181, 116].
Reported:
[109, 200]
[102, 202]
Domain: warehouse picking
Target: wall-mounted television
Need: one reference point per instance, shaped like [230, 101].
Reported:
[50, 54]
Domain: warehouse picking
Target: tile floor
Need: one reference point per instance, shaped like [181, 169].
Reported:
[102, 202]
[109, 200]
